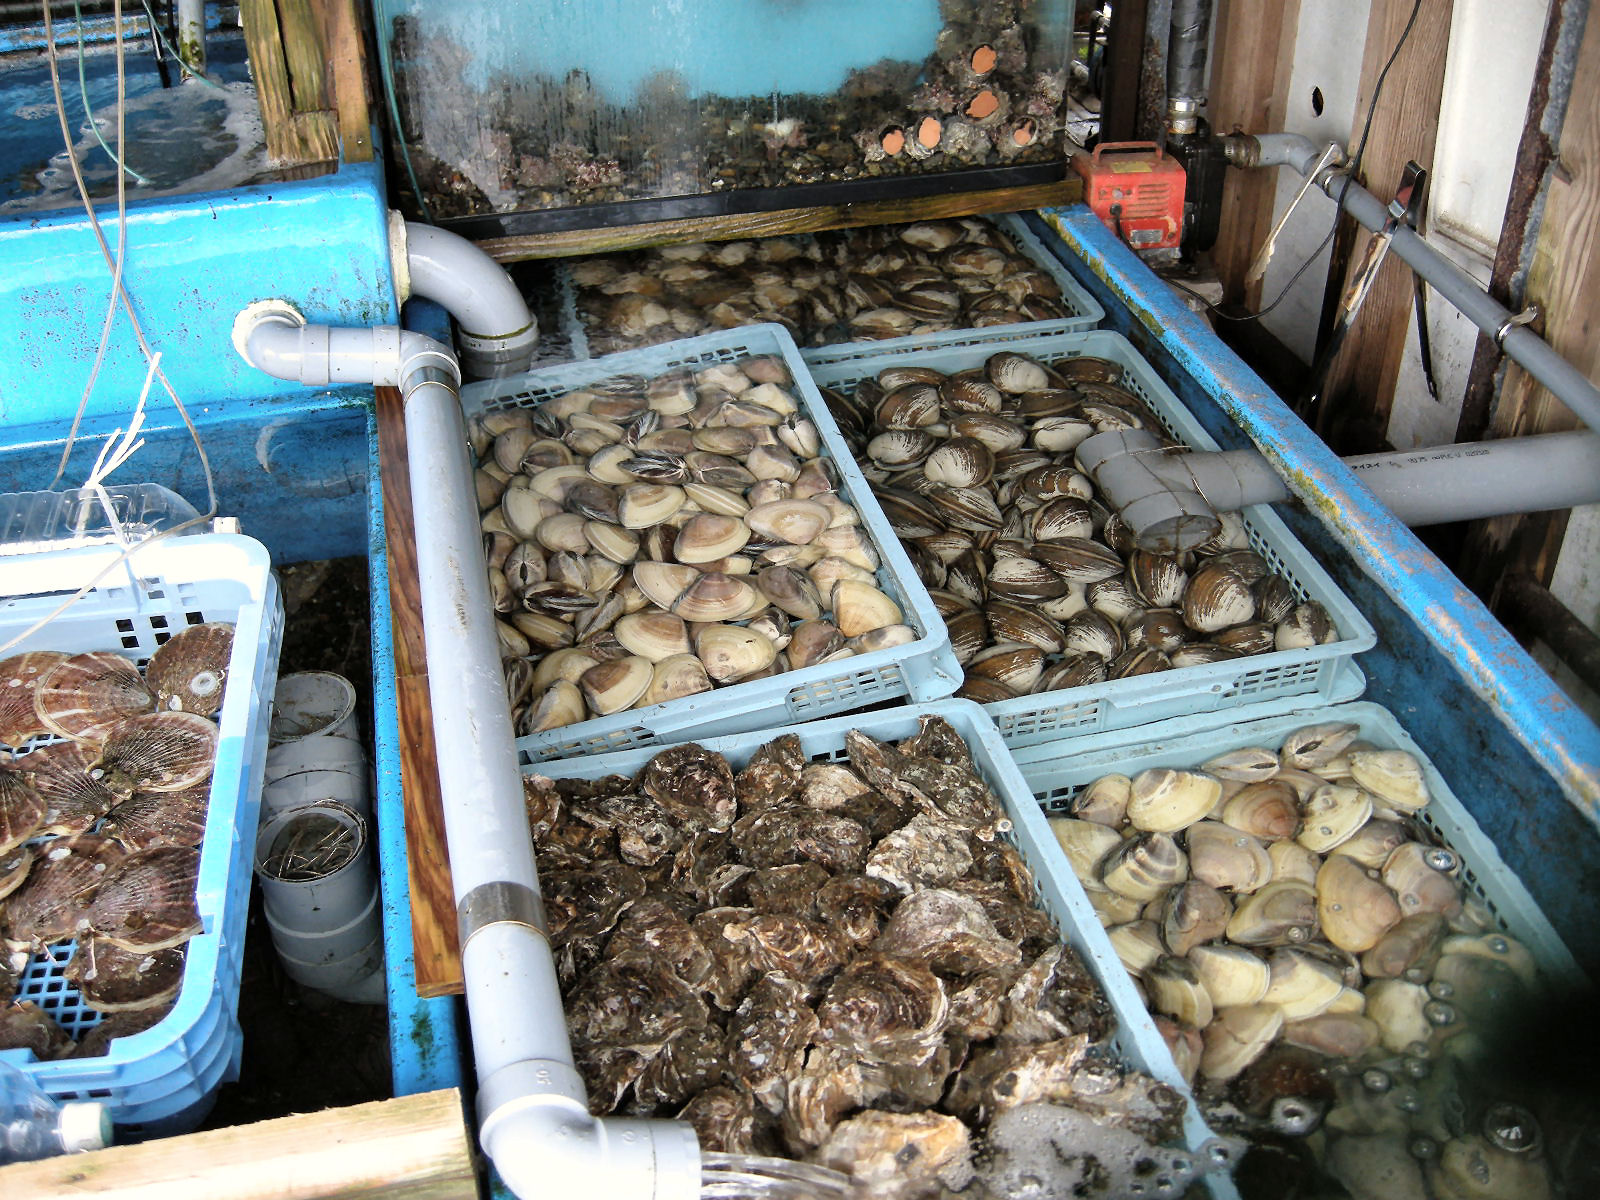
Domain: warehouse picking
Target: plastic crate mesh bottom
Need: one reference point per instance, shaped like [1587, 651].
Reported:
[44, 982]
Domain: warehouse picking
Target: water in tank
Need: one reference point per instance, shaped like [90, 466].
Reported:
[507, 105]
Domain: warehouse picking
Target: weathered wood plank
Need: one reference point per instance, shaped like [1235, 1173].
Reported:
[1254, 54]
[347, 74]
[781, 221]
[433, 922]
[270, 68]
[1563, 281]
[302, 50]
[1359, 392]
[409, 1148]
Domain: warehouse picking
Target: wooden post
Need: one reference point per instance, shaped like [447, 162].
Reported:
[1563, 281]
[1254, 55]
[286, 42]
[409, 1148]
[341, 35]
[1359, 391]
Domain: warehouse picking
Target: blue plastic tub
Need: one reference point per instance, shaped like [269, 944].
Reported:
[1327, 672]
[925, 669]
[163, 1079]
[1059, 893]
[1056, 773]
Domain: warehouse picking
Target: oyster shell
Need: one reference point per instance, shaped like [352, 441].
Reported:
[147, 902]
[19, 676]
[947, 930]
[923, 853]
[692, 784]
[887, 1010]
[189, 672]
[83, 696]
[156, 752]
[632, 1000]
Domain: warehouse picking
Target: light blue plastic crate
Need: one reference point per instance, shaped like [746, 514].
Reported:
[1328, 672]
[164, 1079]
[1058, 890]
[1085, 309]
[1057, 773]
[925, 669]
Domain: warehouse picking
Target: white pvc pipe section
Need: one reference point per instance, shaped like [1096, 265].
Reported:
[534, 1118]
[496, 330]
[192, 35]
[1521, 345]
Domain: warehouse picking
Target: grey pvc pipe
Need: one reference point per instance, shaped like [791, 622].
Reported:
[1187, 47]
[1521, 345]
[496, 330]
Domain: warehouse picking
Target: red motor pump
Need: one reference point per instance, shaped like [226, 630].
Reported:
[1137, 190]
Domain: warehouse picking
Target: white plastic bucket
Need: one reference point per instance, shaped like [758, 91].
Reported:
[308, 898]
[313, 702]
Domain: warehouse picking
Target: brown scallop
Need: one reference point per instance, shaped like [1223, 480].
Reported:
[113, 979]
[83, 696]
[150, 819]
[74, 798]
[22, 809]
[147, 901]
[53, 901]
[157, 752]
[189, 673]
[19, 675]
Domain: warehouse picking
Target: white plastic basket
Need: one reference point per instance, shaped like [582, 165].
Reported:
[1057, 773]
[163, 1079]
[1059, 893]
[1328, 672]
[924, 669]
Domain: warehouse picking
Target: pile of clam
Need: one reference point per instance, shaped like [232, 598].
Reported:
[1040, 587]
[1313, 960]
[880, 282]
[103, 803]
[841, 962]
[649, 539]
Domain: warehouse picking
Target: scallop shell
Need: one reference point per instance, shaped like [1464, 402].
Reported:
[189, 672]
[152, 819]
[14, 866]
[26, 1026]
[51, 903]
[74, 799]
[83, 696]
[19, 674]
[111, 978]
[157, 752]
[147, 901]
[22, 809]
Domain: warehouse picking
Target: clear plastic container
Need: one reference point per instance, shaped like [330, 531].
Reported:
[32, 1125]
[35, 521]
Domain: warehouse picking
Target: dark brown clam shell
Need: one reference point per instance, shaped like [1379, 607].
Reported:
[190, 671]
[19, 675]
[113, 979]
[81, 697]
[53, 901]
[147, 901]
[151, 819]
[1079, 560]
[74, 799]
[22, 809]
[157, 752]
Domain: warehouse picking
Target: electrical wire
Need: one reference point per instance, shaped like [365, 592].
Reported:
[88, 111]
[119, 445]
[1344, 190]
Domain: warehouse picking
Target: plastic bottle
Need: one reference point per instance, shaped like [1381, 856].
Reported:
[33, 1125]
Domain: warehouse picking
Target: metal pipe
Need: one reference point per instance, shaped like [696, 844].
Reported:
[192, 36]
[533, 1113]
[1187, 47]
[1169, 499]
[1521, 345]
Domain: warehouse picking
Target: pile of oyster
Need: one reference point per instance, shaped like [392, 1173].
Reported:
[1039, 586]
[648, 539]
[841, 962]
[849, 285]
[1314, 961]
[103, 803]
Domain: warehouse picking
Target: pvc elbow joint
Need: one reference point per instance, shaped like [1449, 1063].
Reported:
[542, 1140]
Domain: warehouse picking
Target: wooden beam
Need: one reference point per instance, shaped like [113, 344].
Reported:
[347, 73]
[1359, 391]
[1563, 281]
[562, 244]
[1254, 55]
[433, 909]
[271, 70]
[409, 1148]
[1124, 52]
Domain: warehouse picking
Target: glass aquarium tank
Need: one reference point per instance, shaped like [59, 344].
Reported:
[710, 106]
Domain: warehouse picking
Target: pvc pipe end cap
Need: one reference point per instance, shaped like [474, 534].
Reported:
[256, 313]
[85, 1125]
